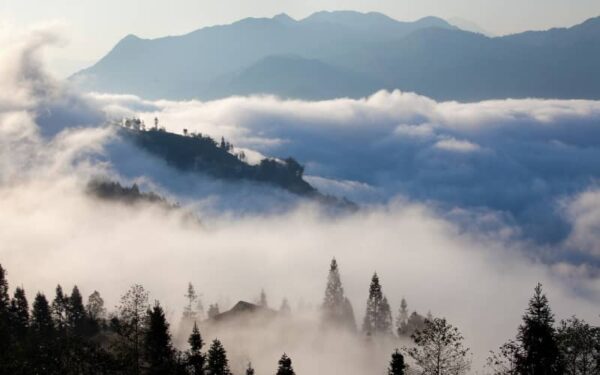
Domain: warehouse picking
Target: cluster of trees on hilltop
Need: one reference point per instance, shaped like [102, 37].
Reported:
[197, 152]
[67, 336]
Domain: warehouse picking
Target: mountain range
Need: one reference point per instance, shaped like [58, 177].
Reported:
[350, 54]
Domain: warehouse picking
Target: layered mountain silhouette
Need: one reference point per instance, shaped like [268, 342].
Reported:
[351, 54]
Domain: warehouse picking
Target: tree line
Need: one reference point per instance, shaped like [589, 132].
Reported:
[67, 336]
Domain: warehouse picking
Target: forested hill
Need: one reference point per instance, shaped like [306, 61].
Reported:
[202, 154]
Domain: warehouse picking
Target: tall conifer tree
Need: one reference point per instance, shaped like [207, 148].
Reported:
[285, 366]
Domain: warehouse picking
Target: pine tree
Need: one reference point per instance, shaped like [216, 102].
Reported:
[249, 369]
[19, 314]
[191, 296]
[378, 317]
[336, 308]
[285, 366]
[217, 363]
[385, 317]
[76, 312]
[42, 352]
[59, 308]
[397, 364]
[41, 318]
[537, 338]
[4, 292]
[196, 360]
[159, 350]
[402, 320]
[5, 339]
[439, 349]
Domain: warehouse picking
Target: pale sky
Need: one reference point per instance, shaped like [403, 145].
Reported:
[95, 26]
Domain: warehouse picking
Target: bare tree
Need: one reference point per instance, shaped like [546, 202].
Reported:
[439, 349]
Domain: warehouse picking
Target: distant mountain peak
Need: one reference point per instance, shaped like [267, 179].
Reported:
[284, 18]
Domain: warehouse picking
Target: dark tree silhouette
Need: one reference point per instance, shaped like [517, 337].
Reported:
[378, 317]
[43, 336]
[579, 344]
[196, 360]
[537, 339]
[217, 363]
[158, 348]
[76, 316]
[59, 309]
[249, 369]
[5, 337]
[397, 365]
[19, 314]
[285, 366]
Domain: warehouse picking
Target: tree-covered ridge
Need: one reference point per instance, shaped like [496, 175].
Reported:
[200, 153]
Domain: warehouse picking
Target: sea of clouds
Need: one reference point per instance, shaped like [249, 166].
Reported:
[465, 206]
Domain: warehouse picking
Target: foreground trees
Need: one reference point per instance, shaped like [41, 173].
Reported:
[65, 337]
[397, 365]
[439, 349]
[535, 350]
[579, 344]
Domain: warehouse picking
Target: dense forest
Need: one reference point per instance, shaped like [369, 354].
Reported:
[64, 335]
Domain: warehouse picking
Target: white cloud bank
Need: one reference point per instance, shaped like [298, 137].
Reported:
[518, 158]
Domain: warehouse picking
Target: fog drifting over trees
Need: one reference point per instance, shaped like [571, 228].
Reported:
[53, 232]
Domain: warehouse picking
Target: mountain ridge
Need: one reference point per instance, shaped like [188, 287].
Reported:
[370, 50]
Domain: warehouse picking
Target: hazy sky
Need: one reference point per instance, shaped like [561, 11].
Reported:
[95, 26]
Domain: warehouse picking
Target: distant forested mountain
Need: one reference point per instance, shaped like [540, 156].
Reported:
[350, 54]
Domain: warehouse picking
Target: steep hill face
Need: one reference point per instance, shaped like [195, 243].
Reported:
[350, 54]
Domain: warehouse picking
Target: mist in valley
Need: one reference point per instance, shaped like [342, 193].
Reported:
[451, 252]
